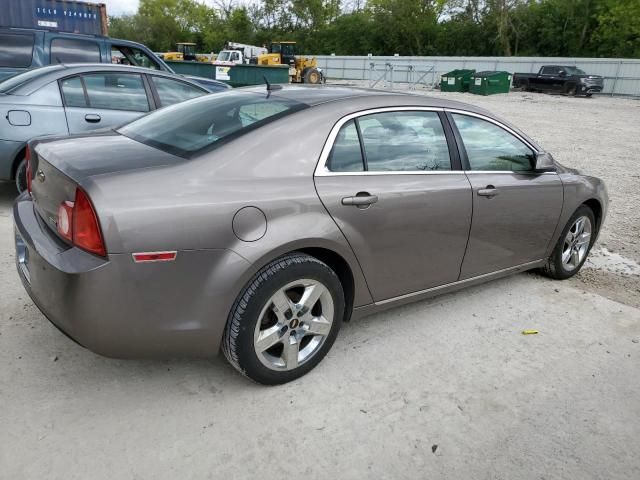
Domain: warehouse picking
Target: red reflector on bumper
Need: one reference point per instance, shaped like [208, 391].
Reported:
[145, 257]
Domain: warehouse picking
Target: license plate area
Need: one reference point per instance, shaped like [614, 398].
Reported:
[22, 254]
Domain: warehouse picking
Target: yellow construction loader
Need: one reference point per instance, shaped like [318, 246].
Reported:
[185, 52]
[301, 69]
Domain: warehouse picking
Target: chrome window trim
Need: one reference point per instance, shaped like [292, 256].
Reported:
[322, 170]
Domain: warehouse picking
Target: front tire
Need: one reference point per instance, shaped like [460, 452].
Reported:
[285, 320]
[573, 246]
[21, 176]
[312, 76]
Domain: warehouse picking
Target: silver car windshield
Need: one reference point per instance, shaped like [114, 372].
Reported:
[198, 125]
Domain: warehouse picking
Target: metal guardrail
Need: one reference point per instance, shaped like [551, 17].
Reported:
[621, 76]
[413, 75]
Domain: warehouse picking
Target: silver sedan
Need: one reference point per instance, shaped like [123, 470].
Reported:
[257, 222]
[71, 99]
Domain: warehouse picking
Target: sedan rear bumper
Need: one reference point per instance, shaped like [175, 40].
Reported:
[119, 308]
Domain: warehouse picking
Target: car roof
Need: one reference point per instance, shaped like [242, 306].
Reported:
[313, 95]
[50, 73]
[316, 95]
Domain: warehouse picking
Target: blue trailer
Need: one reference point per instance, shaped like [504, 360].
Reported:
[56, 15]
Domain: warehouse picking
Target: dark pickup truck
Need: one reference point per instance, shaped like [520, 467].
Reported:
[561, 79]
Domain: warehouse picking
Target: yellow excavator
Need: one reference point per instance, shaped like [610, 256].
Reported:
[301, 69]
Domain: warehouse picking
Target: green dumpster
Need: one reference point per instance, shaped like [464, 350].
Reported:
[456, 81]
[198, 69]
[243, 75]
[488, 83]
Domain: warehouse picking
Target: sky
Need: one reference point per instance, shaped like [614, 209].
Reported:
[118, 7]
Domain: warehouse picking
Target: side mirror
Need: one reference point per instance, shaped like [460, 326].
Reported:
[544, 163]
[562, 73]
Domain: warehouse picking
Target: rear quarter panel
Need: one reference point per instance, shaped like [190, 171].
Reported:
[192, 205]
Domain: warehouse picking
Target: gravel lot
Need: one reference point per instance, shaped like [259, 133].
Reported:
[447, 388]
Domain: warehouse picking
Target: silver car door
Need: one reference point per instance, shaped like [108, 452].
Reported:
[100, 100]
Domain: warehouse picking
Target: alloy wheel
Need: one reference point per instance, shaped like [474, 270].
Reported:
[576, 243]
[294, 324]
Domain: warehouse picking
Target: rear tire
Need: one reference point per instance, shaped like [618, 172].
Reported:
[571, 90]
[573, 246]
[285, 320]
[21, 176]
[312, 76]
[524, 86]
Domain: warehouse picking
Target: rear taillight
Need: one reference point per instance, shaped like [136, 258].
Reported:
[27, 157]
[86, 229]
[78, 223]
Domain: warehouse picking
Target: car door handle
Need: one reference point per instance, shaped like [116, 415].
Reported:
[92, 118]
[489, 191]
[360, 200]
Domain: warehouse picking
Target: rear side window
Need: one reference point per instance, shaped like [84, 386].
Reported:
[203, 123]
[116, 91]
[73, 92]
[172, 91]
[16, 50]
[346, 155]
[405, 141]
[68, 50]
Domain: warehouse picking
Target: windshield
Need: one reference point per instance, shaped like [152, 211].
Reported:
[224, 56]
[198, 125]
[574, 71]
[11, 83]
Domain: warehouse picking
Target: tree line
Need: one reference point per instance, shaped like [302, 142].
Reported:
[581, 28]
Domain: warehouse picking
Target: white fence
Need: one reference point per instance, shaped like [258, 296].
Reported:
[621, 76]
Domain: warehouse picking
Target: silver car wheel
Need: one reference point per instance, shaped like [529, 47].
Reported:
[294, 324]
[576, 243]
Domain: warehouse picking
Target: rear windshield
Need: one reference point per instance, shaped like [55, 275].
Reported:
[198, 125]
[11, 83]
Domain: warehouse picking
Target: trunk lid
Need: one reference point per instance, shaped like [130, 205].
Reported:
[59, 165]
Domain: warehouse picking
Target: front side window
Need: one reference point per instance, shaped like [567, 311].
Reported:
[172, 91]
[491, 148]
[123, 55]
[116, 91]
[203, 123]
[16, 50]
[71, 50]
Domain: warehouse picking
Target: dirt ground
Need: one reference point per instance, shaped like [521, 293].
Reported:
[446, 388]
